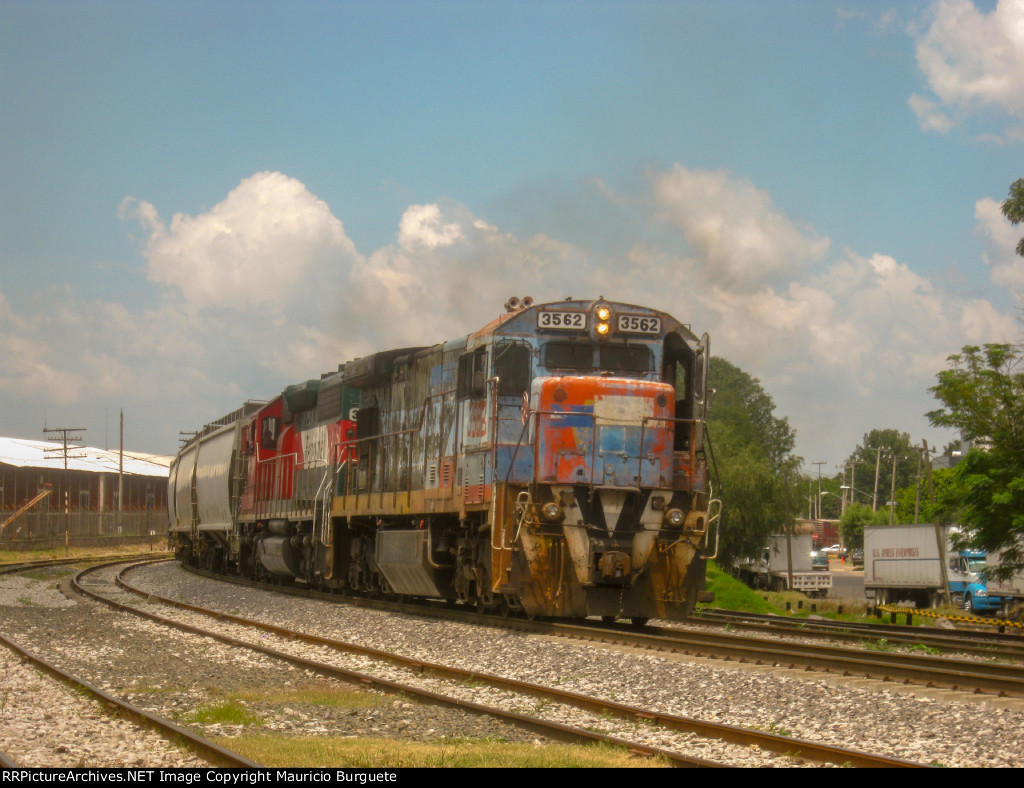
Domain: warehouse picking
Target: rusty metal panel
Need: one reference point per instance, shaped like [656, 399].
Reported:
[604, 431]
[475, 483]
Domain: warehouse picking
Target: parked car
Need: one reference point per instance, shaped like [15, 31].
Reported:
[835, 551]
[857, 557]
[819, 560]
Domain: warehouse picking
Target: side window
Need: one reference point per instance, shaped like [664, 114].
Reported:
[512, 368]
[679, 379]
[472, 374]
[269, 431]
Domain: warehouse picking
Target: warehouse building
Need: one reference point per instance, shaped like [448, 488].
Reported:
[47, 498]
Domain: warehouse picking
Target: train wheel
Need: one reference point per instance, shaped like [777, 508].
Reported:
[639, 621]
[608, 619]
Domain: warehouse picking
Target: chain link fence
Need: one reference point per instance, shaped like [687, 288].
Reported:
[42, 530]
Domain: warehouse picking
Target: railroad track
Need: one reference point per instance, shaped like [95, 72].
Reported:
[982, 643]
[24, 566]
[908, 668]
[1001, 680]
[744, 738]
[211, 753]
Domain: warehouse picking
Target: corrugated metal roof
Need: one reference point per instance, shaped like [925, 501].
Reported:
[49, 454]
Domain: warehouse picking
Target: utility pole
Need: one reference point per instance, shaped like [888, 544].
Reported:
[120, 477]
[819, 464]
[65, 438]
[878, 466]
[892, 495]
[917, 490]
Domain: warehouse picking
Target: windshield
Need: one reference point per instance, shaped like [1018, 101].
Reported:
[625, 360]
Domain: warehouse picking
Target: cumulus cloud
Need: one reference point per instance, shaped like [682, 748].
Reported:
[450, 272]
[846, 342]
[741, 238]
[254, 248]
[423, 226]
[973, 61]
[1000, 237]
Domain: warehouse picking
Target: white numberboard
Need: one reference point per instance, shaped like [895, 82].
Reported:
[639, 324]
[562, 321]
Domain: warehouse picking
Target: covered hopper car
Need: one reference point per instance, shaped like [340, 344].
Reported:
[552, 463]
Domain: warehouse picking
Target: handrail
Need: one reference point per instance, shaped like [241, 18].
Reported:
[593, 417]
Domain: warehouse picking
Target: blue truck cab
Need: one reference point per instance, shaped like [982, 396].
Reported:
[967, 584]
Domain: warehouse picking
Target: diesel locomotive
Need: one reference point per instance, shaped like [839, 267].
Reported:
[553, 463]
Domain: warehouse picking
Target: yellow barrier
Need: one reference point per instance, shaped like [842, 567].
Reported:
[992, 622]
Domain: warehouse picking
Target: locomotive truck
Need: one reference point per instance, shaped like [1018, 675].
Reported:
[553, 463]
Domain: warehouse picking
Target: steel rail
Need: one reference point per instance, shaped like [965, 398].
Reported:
[217, 755]
[550, 729]
[1002, 680]
[927, 671]
[962, 641]
[974, 634]
[42, 563]
[729, 733]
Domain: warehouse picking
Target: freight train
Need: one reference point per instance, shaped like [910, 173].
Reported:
[553, 463]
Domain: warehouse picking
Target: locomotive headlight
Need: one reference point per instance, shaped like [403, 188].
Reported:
[675, 517]
[551, 512]
[602, 329]
[604, 313]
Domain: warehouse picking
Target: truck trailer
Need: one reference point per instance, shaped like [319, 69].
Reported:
[919, 563]
[1010, 591]
[772, 569]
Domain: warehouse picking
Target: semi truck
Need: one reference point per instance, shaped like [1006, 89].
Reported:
[920, 563]
[772, 569]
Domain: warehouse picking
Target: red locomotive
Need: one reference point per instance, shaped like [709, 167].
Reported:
[551, 463]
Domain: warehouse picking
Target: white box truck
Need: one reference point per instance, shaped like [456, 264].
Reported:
[917, 562]
[771, 571]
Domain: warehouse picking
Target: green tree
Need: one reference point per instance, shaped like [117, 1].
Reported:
[866, 459]
[856, 516]
[944, 508]
[983, 396]
[753, 451]
[1013, 208]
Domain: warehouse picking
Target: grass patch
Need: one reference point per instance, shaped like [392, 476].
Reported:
[141, 548]
[53, 573]
[731, 594]
[227, 713]
[370, 753]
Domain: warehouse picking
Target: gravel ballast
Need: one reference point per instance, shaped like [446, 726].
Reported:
[177, 673]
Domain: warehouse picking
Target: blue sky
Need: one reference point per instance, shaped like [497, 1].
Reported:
[201, 202]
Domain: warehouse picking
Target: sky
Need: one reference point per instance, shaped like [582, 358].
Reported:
[202, 202]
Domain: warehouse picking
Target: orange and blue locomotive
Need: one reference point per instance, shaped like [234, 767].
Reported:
[551, 463]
